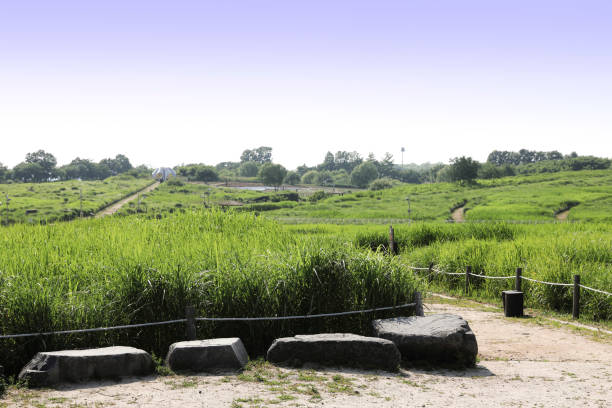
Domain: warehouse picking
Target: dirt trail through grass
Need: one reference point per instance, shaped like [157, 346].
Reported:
[523, 362]
[113, 208]
[562, 216]
[458, 215]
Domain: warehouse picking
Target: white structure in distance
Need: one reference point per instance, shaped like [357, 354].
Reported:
[163, 173]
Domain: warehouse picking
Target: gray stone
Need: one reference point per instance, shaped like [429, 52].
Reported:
[437, 339]
[54, 367]
[336, 349]
[207, 355]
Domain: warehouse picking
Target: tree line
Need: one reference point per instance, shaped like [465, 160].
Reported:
[41, 166]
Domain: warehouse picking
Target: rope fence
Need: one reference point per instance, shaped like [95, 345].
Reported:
[190, 320]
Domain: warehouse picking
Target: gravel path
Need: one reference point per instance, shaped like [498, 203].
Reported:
[523, 363]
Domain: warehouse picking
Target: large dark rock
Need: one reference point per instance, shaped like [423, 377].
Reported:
[54, 367]
[438, 339]
[336, 349]
[207, 355]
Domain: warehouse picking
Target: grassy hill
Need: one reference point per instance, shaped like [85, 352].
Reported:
[47, 202]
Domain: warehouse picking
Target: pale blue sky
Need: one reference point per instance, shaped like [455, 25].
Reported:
[200, 81]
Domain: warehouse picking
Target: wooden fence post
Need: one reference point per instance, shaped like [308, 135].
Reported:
[468, 270]
[419, 304]
[392, 247]
[576, 297]
[517, 282]
[190, 327]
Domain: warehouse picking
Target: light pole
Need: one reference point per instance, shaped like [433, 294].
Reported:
[403, 150]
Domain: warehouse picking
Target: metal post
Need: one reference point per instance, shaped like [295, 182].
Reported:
[517, 282]
[576, 298]
[190, 327]
[468, 270]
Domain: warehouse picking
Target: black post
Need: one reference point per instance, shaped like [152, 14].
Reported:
[517, 282]
[419, 304]
[576, 298]
[468, 270]
[190, 327]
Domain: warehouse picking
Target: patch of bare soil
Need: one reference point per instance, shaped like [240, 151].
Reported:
[562, 216]
[523, 363]
[458, 215]
[111, 209]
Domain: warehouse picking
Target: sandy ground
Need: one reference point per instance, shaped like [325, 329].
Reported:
[111, 209]
[458, 215]
[523, 363]
[562, 216]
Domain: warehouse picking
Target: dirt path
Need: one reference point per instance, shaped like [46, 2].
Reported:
[523, 362]
[562, 216]
[111, 209]
[458, 215]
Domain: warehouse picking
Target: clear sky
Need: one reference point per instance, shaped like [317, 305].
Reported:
[169, 82]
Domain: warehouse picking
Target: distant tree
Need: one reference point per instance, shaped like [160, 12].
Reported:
[324, 178]
[490, 171]
[363, 174]
[408, 176]
[227, 166]
[347, 160]
[385, 166]
[292, 178]
[85, 169]
[30, 173]
[463, 169]
[272, 174]
[261, 155]
[120, 164]
[309, 177]
[46, 161]
[3, 172]
[301, 170]
[341, 177]
[248, 169]
[329, 163]
[206, 173]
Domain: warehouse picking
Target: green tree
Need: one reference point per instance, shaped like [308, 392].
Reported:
[363, 174]
[46, 161]
[309, 177]
[463, 169]
[272, 174]
[248, 169]
[324, 178]
[29, 173]
[261, 155]
[206, 173]
[3, 172]
[292, 178]
[329, 163]
[120, 164]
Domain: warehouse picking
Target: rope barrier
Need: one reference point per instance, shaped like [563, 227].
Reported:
[97, 329]
[250, 319]
[493, 277]
[596, 290]
[210, 319]
[548, 283]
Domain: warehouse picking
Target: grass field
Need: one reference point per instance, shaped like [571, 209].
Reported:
[48, 202]
[533, 198]
[124, 270]
[177, 247]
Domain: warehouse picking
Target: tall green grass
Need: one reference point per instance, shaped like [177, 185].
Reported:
[125, 270]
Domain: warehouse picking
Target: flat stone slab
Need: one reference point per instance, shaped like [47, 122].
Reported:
[438, 339]
[54, 367]
[207, 355]
[335, 349]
